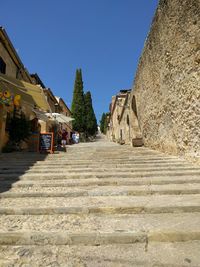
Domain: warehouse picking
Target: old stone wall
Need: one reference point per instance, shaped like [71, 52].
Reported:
[167, 82]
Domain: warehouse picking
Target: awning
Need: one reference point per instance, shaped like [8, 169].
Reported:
[60, 117]
[30, 94]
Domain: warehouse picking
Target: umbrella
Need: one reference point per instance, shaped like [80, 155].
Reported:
[40, 115]
[60, 117]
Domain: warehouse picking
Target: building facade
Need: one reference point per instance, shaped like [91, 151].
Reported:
[19, 97]
[123, 126]
[10, 63]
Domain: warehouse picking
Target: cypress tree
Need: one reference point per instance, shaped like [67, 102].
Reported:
[91, 121]
[78, 105]
[105, 126]
[102, 122]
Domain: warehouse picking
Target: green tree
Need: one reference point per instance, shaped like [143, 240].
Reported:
[102, 122]
[91, 121]
[105, 127]
[78, 105]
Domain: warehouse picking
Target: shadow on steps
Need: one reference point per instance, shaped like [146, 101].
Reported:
[16, 164]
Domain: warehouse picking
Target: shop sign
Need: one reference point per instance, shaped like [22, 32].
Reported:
[8, 99]
[46, 142]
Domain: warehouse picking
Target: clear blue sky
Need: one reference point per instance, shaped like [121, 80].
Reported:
[103, 37]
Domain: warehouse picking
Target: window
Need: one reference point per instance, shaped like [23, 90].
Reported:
[2, 66]
[127, 119]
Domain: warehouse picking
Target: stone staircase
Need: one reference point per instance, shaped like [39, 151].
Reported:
[99, 204]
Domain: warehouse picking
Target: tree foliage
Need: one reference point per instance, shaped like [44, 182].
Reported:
[78, 105]
[91, 122]
[102, 122]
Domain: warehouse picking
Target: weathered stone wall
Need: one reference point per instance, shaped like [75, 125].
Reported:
[167, 82]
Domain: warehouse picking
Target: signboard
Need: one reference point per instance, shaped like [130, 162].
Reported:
[46, 142]
[8, 99]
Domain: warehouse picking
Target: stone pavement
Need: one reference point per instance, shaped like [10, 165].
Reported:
[100, 204]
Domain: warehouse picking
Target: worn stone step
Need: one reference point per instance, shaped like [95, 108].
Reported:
[95, 239]
[176, 254]
[99, 166]
[107, 223]
[169, 189]
[98, 182]
[100, 170]
[94, 163]
[65, 159]
[124, 167]
[100, 210]
[102, 204]
[142, 174]
[65, 238]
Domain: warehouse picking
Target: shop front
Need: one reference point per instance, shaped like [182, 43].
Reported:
[22, 106]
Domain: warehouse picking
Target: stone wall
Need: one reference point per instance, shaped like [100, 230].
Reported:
[167, 82]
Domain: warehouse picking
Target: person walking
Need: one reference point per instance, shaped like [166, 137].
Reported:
[74, 137]
[64, 138]
[77, 137]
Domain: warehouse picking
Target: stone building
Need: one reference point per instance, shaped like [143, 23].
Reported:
[10, 63]
[123, 124]
[17, 92]
[167, 82]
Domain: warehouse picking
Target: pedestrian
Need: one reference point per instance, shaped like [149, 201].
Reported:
[64, 138]
[77, 138]
[74, 137]
[59, 138]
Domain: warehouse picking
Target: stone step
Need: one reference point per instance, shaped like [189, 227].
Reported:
[107, 223]
[109, 170]
[141, 174]
[95, 163]
[100, 210]
[95, 239]
[169, 189]
[87, 154]
[101, 204]
[176, 254]
[101, 167]
[81, 182]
